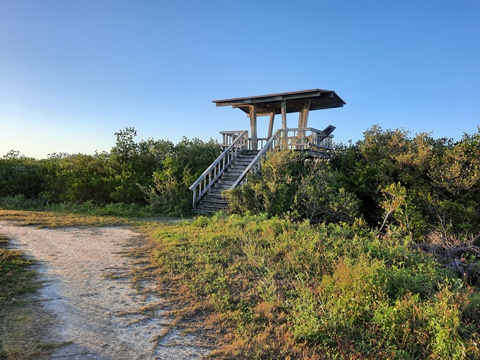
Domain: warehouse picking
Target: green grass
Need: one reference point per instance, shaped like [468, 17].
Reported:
[60, 218]
[19, 322]
[20, 202]
[276, 289]
[15, 273]
[283, 289]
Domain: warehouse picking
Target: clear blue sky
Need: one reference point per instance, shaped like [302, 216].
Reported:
[73, 72]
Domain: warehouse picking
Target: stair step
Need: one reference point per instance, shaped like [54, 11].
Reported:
[242, 160]
[236, 167]
[216, 194]
[237, 170]
[203, 204]
[213, 201]
[226, 181]
[229, 178]
[205, 211]
[222, 186]
[232, 173]
[209, 208]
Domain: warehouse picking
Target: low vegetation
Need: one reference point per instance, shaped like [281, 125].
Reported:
[374, 254]
[330, 291]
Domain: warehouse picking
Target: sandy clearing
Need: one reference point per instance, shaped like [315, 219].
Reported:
[89, 293]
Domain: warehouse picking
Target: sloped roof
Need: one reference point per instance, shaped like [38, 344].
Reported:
[295, 101]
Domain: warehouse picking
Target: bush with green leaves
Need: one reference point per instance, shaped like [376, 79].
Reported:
[440, 177]
[168, 192]
[150, 173]
[294, 185]
[21, 175]
[336, 291]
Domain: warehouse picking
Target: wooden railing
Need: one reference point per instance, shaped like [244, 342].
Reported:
[260, 143]
[239, 142]
[309, 139]
[304, 139]
[230, 136]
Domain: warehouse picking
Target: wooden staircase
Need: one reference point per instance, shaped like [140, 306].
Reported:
[213, 200]
[237, 160]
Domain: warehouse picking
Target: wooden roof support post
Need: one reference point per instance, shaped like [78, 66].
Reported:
[303, 115]
[253, 126]
[302, 122]
[270, 125]
[300, 119]
[306, 111]
[284, 114]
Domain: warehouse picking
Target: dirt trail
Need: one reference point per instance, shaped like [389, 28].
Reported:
[88, 289]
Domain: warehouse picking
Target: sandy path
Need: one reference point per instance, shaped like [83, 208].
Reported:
[89, 291]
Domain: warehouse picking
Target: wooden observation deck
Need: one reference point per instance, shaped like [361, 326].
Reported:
[242, 154]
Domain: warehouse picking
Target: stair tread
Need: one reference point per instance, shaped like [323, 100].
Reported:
[212, 202]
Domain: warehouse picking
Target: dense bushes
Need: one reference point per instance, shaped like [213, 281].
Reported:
[336, 291]
[424, 189]
[21, 175]
[295, 186]
[152, 173]
[418, 184]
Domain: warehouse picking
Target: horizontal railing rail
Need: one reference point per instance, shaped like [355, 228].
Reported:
[207, 179]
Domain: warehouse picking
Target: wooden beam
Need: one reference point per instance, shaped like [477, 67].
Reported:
[270, 125]
[306, 111]
[284, 114]
[253, 126]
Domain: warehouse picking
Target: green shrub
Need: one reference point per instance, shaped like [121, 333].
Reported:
[293, 289]
[293, 185]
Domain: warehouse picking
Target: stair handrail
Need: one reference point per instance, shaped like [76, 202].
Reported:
[217, 168]
[319, 140]
[255, 163]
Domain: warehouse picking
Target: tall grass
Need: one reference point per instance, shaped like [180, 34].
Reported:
[329, 291]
